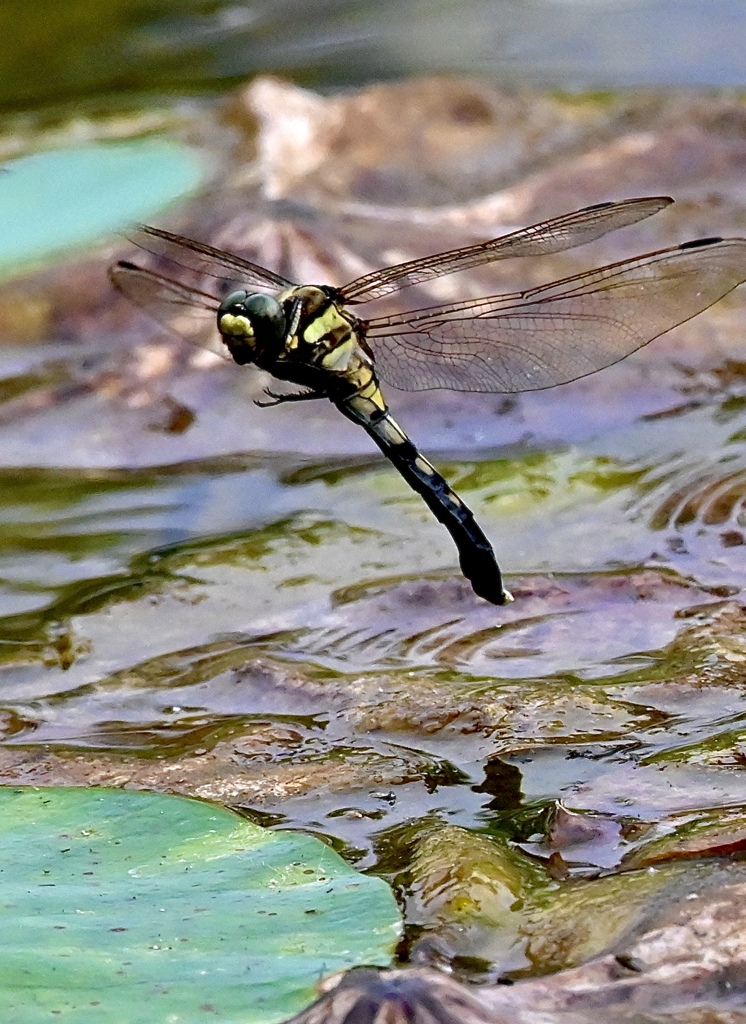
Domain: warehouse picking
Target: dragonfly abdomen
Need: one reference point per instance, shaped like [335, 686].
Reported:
[476, 557]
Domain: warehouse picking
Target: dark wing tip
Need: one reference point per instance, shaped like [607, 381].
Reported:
[698, 243]
[662, 202]
[117, 269]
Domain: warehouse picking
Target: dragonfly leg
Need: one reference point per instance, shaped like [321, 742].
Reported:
[294, 396]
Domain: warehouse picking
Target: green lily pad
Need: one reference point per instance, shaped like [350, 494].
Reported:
[130, 906]
[52, 201]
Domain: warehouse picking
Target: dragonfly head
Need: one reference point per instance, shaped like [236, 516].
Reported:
[251, 323]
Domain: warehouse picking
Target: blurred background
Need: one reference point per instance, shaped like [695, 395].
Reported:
[82, 52]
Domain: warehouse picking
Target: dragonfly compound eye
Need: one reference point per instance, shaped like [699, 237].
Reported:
[250, 322]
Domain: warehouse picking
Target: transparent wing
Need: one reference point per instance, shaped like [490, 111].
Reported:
[204, 259]
[188, 311]
[560, 331]
[550, 236]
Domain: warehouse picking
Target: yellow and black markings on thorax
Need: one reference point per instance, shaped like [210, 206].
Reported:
[303, 335]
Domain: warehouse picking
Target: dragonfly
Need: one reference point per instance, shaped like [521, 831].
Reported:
[316, 337]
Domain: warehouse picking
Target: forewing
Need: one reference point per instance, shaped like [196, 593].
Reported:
[541, 239]
[187, 311]
[560, 331]
[204, 259]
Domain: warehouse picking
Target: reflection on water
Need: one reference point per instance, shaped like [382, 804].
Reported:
[287, 605]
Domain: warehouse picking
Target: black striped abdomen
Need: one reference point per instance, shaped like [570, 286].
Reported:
[476, 557]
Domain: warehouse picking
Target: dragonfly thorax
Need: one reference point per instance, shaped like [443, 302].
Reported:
[251, 323]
